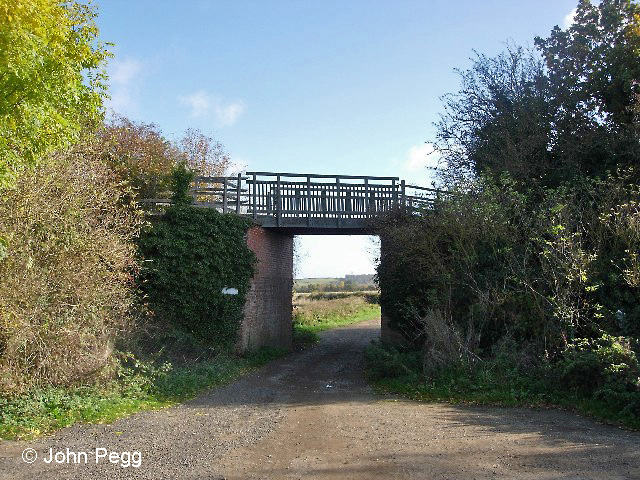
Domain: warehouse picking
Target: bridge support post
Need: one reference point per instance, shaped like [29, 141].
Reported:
[267, 309]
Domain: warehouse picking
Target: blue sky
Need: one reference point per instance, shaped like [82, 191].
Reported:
[336, 87]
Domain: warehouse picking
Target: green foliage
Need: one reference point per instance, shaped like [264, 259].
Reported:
[493, 382]
[500, 119]
[181, 178]
[593, 67]
[537, 246]
[190, 255]
[52, 79]
[550, 273]
[601, 364]
[569, 109]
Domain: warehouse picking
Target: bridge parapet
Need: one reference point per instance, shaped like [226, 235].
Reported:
[308, 201]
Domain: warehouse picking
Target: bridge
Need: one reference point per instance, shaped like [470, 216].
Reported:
[286, 204]
[299, 203]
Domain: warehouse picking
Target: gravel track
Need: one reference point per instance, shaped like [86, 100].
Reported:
[311, 415]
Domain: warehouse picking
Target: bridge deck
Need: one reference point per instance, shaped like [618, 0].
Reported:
[307, 202]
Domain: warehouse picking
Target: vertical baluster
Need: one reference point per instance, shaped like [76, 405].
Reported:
[278, 202]
[394, 194]
[224, 195]
[238, 191]
[255, 203]
[366, 196]
[308, 201]
[338, 205]
[323, 202]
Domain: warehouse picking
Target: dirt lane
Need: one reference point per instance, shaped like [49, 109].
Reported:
[312, 416]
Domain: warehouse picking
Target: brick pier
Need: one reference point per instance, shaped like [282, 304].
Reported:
[267, 311]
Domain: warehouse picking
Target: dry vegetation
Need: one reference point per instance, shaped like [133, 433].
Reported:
[67, 279]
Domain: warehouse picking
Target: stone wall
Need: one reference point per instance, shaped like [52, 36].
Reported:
[267, 310]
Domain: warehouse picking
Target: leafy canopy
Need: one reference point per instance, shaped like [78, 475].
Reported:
[566, 110]
[52, 79]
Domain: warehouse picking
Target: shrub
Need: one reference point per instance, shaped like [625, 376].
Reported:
[544, 266]
[67, 279]
[189, 255]
[606, 362]
[539, 285]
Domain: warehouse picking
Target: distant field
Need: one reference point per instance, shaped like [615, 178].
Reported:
[315, 281]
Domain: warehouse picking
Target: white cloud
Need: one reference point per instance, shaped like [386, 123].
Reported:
[204, 105]
[124, 77]
[569, 18]
[420, 157]
[124, 71]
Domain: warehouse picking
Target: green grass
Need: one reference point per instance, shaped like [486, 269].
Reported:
[313, 316]
[391, 371]
[139, 387]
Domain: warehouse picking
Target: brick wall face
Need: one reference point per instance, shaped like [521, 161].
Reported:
[267, 310]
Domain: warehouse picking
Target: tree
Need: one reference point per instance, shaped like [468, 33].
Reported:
[139, 154]
[203, 154]
[569, 110]
[52, 79]
[499, 120]
[594, 80]
[145, 160]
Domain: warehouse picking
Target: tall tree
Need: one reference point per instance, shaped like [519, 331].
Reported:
[139, 154]
[499, 120]
[594, 80]
[203, 154]
[571, 109]
[52, 78]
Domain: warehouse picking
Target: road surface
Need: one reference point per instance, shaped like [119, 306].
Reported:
[311, 415]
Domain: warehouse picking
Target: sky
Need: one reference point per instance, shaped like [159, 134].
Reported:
[348, 87]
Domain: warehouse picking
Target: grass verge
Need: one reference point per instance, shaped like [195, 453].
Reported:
[400, 372]
[141, 386]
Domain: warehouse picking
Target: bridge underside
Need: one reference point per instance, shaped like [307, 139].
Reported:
[318, 226]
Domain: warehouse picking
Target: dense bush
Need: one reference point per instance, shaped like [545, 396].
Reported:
[189, 255]
[547, 271]
[67, 279]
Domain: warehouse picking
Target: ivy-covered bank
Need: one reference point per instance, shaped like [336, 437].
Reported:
[190, 255]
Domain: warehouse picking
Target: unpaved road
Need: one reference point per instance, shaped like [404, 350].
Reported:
[312, 416]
